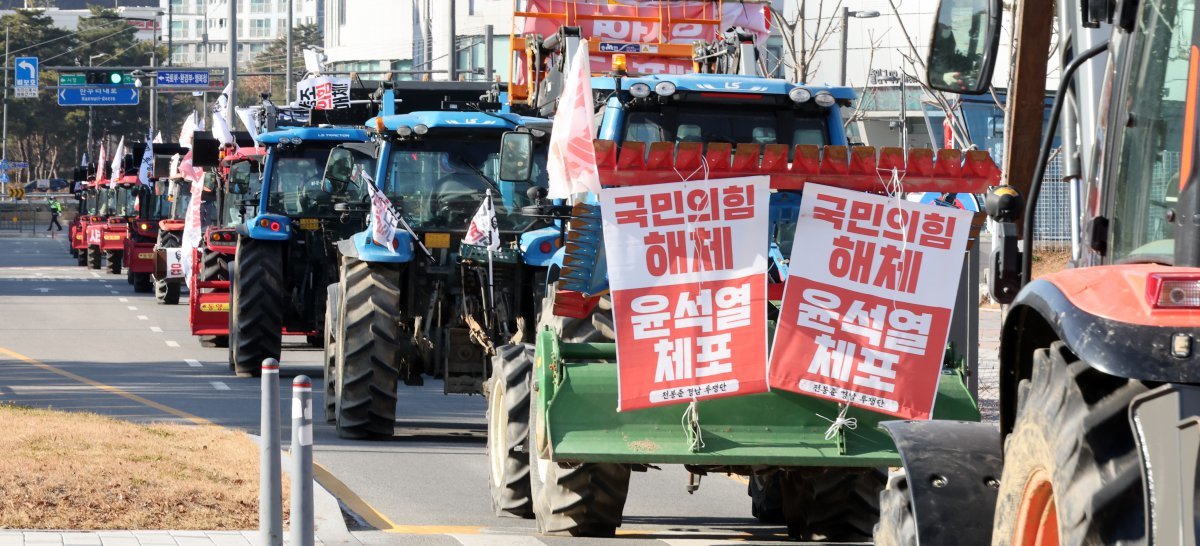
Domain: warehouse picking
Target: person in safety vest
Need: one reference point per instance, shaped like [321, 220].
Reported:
[55, 210]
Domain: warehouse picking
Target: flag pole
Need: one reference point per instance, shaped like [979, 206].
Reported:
[491, 235]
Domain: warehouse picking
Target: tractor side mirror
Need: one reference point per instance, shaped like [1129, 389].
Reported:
[340, 165]
[516, 157]
[962, 52]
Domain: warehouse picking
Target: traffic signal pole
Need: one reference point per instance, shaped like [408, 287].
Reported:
[4, 131]
[233, 56]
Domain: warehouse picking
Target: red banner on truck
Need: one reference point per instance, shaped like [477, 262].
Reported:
[867, 306]
[687, 274]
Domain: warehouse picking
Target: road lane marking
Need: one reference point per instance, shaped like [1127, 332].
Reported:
[156, 329]
[219, 385]
[172, 343]
[107, 388]
[131, 307]
[115, 292]
[143, 317]
[123, 300]
[108, 286]
[497, 539]
[192, 362]
[358, 505]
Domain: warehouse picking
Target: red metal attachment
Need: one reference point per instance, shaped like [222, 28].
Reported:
[862, 168]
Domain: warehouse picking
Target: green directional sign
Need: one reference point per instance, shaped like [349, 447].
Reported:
[72, 79]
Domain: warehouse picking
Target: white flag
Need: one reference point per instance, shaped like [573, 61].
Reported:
[185, 133]
[192, 228]
[483, 229]
[221, 129]
[146, 170]
[247, 117]
[383, 218]
[572, 158]
[174, 169]
[118, 164]
[158, 138]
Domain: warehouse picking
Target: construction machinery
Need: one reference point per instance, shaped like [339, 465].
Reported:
[237, 179]
[1099, 375]
[558, 448]
[438, 300]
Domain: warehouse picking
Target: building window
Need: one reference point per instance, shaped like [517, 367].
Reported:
[260, 6]
[260, 28]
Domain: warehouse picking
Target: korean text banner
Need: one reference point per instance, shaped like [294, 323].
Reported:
[323, 93]
[687, 269]
[867, 305]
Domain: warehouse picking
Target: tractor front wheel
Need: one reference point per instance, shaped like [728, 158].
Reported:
[766, 497]
[166, 292]
[142, 283]
[508, 430]
[370, 348]
[257, 306]
[1071, 472]
[897, 525]
[832, 503]
[94, 257]
[81, 257]
[332, 297]
[114, 258]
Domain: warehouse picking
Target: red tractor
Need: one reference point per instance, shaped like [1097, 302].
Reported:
[106, 231]
[153, 204]
[236, 181]
[87, 207]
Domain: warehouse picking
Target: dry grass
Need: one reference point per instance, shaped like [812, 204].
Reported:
[1050, 261]
[84, 471]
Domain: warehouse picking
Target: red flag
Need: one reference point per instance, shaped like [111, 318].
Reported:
[572, 161]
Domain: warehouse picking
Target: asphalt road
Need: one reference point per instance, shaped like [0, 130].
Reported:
[77, 340]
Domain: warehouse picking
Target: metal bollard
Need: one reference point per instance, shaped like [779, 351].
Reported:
[270, 478]
[302, 526]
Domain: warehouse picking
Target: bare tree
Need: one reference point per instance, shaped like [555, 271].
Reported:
[801, 45]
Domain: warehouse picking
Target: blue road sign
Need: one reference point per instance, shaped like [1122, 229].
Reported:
[183, 78]
[97, 96]
[25, 75]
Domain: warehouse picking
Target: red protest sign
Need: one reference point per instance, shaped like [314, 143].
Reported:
[688, 281]
[867, 306]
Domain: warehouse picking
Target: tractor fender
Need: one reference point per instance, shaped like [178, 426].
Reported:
[539, 246]
[1042, 313]
[361, 246]
[554, 265]
[950, 465]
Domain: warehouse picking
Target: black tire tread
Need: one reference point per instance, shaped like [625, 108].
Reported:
[897, 524]
[832, 503]
[258, 296]
[370, 347]
[512, 369]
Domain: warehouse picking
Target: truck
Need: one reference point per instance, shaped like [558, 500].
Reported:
[457, 299]
[237, 181]
[1099, 376]
[559, 451]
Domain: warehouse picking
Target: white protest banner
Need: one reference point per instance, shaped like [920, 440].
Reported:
[867, 306]
[323, 93]
[687, 268]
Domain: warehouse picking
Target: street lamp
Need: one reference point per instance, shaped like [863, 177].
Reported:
[89, 134]
[846, 15]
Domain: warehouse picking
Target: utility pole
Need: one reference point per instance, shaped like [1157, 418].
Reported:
[452, 57]
[170, 31]
[233, 54]
[4, 131]
[287, 82]
[153, 88]
[488, 70]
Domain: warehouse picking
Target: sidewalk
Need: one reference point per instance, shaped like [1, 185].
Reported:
[130, 538]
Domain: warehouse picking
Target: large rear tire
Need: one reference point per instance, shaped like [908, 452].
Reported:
[370, 346]
[166, 291]
[897, 525]
[94, 257]
[832, 503]
[142, 283]
[214, 266]
[114, 258]
[332, 299]
[258, 299]
[508, 430]
[1071, 467]
[81, 257]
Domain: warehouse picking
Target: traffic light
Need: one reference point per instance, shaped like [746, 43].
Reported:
[108, 77]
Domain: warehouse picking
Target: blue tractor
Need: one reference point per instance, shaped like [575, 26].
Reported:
[427, 302]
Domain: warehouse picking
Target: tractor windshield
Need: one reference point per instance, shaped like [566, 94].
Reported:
[440, 183]
[735, 124]
[156, 204]
[244, 181]
[297, 187]
[91, 202]
[1147, 181]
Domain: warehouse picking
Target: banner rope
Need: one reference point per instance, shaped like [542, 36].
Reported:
[691, 426]
[842, 422]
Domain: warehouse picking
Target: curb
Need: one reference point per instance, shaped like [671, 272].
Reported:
[330, 526]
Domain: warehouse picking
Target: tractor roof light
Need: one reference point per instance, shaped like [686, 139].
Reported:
[619, 65]
[799, 95]
[404, 131]
[824, 98]
[664, 89]
[1173, 290]
[639, 90]
[420, 129]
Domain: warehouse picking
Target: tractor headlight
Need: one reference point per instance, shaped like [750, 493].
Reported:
[404, 130]
[824, 98]
[664, 89]
[639, 90]
[420, 129]
[799, 94]
[285, 140]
